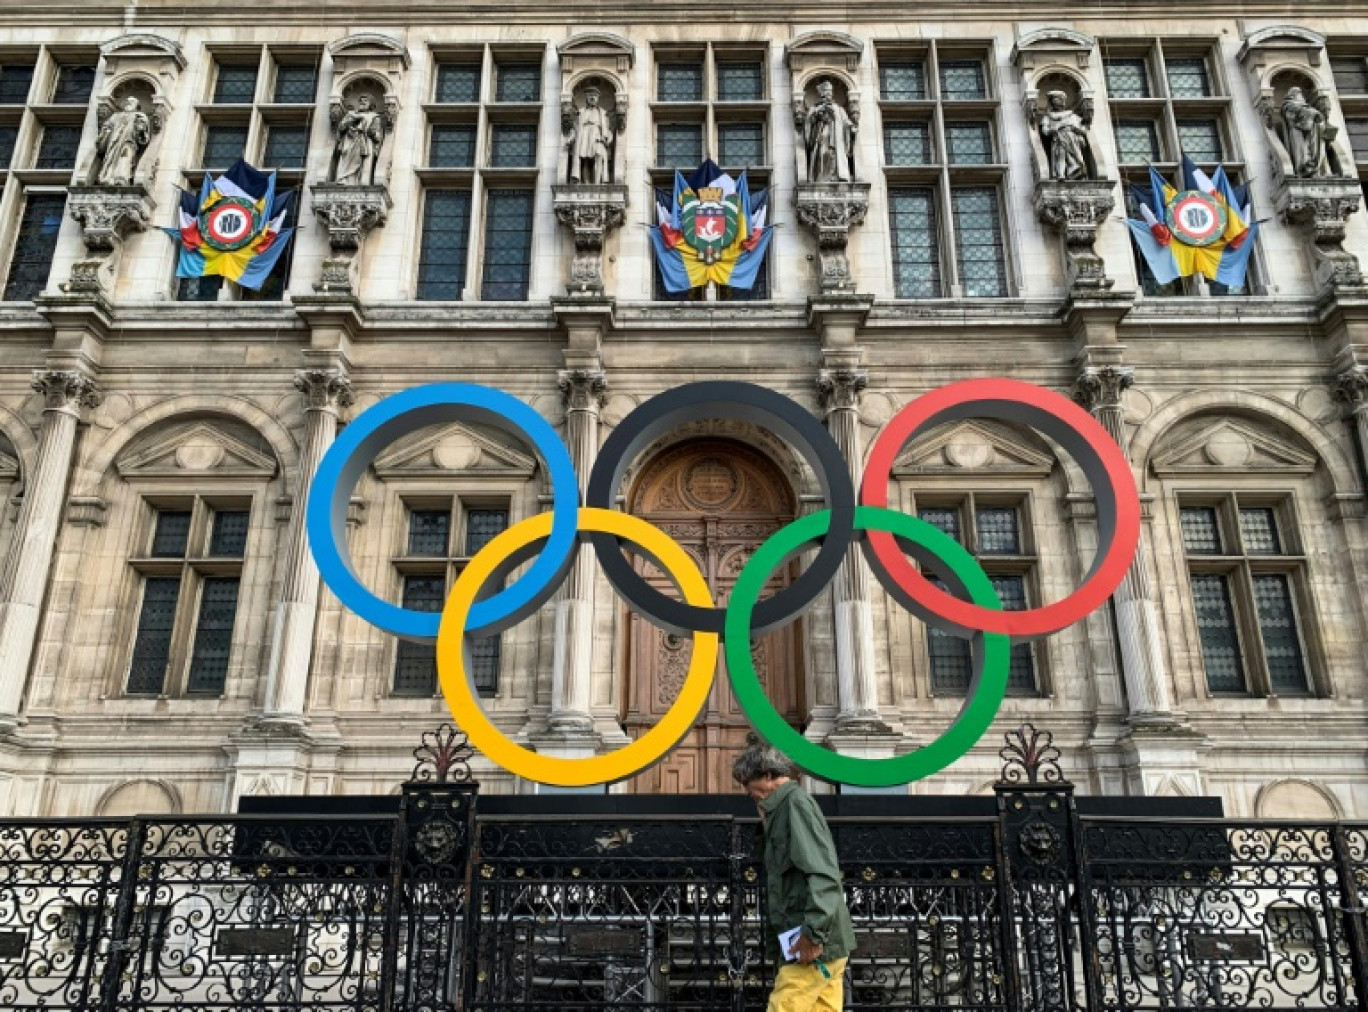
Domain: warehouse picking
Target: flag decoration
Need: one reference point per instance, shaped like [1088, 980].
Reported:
[234, 227]
[711, 228]
[1207, 227]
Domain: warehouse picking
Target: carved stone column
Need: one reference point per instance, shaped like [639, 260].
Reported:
[326, 392]
[24, 581]
[1074, 208]
[857, 694]
[107, 215]
[831, 210]
[348, 213]
[1322, 206]
[1351, 387]
[590, 211]
[1099, 389]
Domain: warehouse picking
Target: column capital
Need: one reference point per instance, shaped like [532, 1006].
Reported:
[1351, 387]
[66, 390]
[1099, 387]
[839, 389]
[324, 389]
[583, 389]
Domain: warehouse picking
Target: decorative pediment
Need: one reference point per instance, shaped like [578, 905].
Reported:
[454, 448]
[143, 44]
[201, 448]
[1053, 38]
[1235, 448]
[1281, 37]
[366, 45]
[597, 46]
[972, 446]
[823, 48]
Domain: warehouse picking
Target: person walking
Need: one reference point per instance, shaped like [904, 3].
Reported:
[803, 884]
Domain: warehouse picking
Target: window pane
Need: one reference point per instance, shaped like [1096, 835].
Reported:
[518, 82]
[57, 150]
[223, 145]
[1357, 129]
[945, 519]
[8, 136]
[741, 144]
[508, 245]
[1259, 528]
[287, 147]
[1201, 532]
[739, 82]
[902, 81]
[978, 240]
[458, 82]
[679, 145]
[1351, 74]
[213, 634]
[295, 84]
[152, 644]
[1216, 627]
[969, 143]
[1021, 670]
[1137, 140]
[679, 82]
[513, 146]
[415, 666]
[1187, 77]
[916, 249]
[428, 531]
[229, 538]
[962, 79]
[1127, 78]
[451, 147]
[74, 85]
[1278, 625]
[1200, 139]
[446, 232]
[204, 289]
[235, 85]
[484, 664]
[998, 531]
[907, 144]
[951, 660]
[15, 79]
[34, 246]
[482, 526]
[171, 538]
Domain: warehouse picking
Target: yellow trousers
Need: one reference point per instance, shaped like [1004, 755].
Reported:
[799, 988]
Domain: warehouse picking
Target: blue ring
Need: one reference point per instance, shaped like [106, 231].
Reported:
[400, 415]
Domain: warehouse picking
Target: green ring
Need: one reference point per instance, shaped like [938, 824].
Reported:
[992, 659]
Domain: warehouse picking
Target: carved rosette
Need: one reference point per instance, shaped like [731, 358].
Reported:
[840, 389]
[66, 390]
[1323, 206]
[348, 213]
[590, 211]
[324, 389]
[1075, 208]
[583, 389]
[831, 210]
[107, 216]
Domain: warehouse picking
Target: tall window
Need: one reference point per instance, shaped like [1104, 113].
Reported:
[945, 172]
[191, 572]
[993, 531]
[1248, 589]
[442, 537]
[34, 245]
[1349, 65]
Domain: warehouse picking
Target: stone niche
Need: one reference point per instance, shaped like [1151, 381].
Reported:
[143, 67]
[372, 65]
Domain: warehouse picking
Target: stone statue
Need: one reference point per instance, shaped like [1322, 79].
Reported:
[1306, 135]
[122, 139]
[591, 142]
[359, 135]
[1065, 135]
[829, 138]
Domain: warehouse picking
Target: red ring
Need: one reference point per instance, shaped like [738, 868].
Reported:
[1117, 540]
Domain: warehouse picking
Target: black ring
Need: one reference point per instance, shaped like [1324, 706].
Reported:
[744, 402]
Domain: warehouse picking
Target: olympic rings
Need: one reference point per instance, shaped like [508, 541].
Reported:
[991, 652]
[738, 402]
[599, 769]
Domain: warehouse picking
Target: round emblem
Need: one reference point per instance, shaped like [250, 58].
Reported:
[1196, 218]
[230, 224]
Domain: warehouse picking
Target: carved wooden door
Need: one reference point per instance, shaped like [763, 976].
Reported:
[720, 500]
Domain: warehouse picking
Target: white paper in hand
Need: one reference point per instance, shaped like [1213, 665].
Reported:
[787, 941]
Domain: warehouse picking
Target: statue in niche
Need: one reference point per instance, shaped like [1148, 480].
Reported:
[592, 136]
[123, 137]
[360, 132]
[1307, 132]
[828, 138]
[1064, 133]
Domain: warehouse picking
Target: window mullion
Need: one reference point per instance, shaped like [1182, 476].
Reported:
[183, 632]
[1247, 627]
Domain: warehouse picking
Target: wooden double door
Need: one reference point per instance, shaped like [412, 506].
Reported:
[720, 499]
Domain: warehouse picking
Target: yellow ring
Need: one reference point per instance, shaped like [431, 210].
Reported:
[599, 769]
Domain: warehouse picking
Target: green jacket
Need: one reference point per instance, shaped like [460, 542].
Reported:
[803, 877]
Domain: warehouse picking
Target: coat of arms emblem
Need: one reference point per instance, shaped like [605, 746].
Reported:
[710, 220]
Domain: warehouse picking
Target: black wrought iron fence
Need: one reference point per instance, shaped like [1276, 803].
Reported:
[443, 907]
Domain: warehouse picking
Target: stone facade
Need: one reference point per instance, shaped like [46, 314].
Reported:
[120, 402]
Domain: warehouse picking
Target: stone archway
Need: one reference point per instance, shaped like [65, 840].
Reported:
[720, 499]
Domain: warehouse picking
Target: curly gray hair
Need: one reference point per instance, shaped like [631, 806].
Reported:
[760, 759]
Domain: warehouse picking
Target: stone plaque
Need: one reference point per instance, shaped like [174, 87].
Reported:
[1225, 946]
[255, 942]
[595, 941]
[876, 944]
